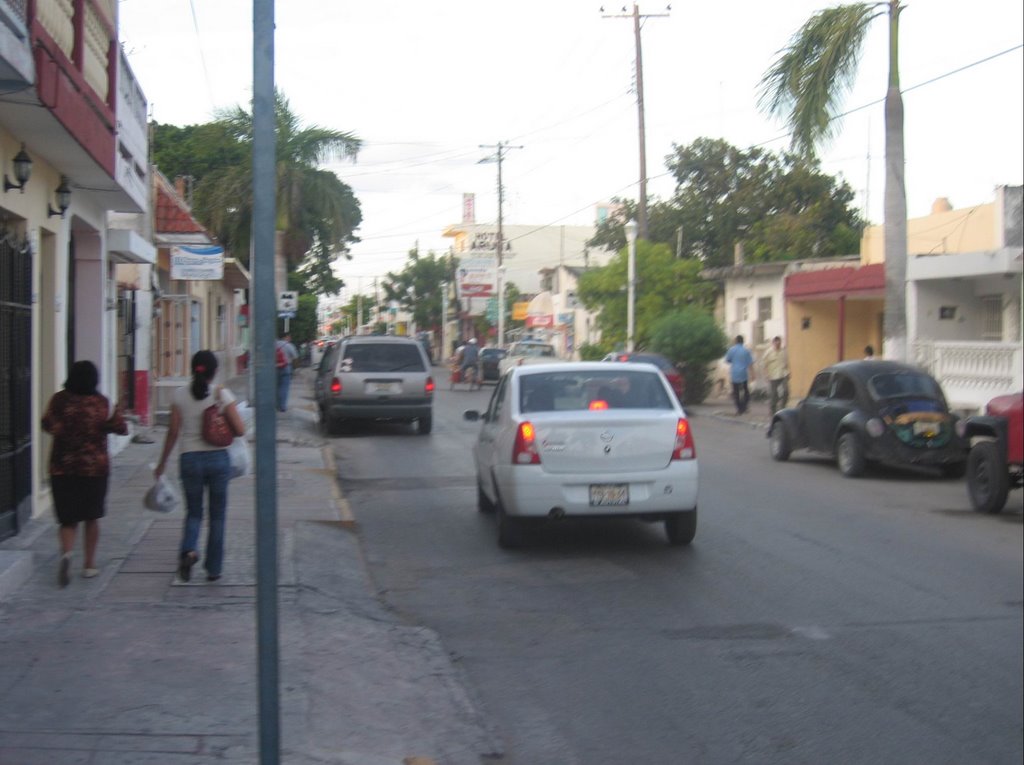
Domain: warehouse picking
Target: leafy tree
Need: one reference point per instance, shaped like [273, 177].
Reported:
[317, 213]
[664, 284]
[691, 339]
[594, 351]
[806, 85]
[781, 206]
[417, 287]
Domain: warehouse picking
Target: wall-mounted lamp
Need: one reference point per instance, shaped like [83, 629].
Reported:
[63, 199]
[22, 170]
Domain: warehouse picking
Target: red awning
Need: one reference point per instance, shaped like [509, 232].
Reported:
[833, 283]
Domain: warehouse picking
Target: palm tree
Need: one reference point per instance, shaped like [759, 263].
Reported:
[316, 212]
[805, 85]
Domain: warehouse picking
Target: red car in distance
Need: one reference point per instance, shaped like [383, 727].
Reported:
[667, 368]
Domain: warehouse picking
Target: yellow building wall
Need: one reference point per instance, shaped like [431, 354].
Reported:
[971, 229]
[812, 331]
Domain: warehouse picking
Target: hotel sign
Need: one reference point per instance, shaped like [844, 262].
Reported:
[197, 263]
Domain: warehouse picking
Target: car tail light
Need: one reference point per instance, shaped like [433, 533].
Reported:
[598, 404]
[875, 427]
[684, 448]
[335, 386]
[429, 387]
[524, 452]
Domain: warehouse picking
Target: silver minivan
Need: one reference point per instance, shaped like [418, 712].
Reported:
[375, 377]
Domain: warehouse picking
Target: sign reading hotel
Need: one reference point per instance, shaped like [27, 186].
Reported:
[197, 263]
[476, 277]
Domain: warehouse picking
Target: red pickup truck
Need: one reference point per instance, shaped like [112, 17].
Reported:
[995, 463]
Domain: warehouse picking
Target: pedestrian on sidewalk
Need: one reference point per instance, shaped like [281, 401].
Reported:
[740, 364]
[203, 467]
[285, 355]
[79, 419]
[776, 368]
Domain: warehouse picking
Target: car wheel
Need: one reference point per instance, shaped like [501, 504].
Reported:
[425, 424]
[681, 528]
[849, 456]
[988, 480]
[779, 442]
[483, 502]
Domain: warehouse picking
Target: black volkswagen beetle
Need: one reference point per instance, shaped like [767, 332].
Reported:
[872, 412]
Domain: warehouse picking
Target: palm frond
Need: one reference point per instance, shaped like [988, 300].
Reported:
[813, 73]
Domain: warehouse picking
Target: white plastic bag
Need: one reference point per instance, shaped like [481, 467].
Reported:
[241, 460]
[162, 497]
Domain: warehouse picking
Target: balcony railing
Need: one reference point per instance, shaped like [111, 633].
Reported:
[972, 373]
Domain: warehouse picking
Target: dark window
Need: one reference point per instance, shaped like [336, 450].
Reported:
[819, 388]
[368, 357]
[844, 389]
[899, 384]
[578, 391]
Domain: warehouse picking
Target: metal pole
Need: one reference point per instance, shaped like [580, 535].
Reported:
[631, 231]
[642, 202]
[264, 215]
[500, 249]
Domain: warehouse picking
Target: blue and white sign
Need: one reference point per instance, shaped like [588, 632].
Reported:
[197, 263]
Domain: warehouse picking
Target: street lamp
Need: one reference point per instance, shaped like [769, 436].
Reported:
[630, 229]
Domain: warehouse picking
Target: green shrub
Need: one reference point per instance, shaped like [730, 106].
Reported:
[593, 351]
[691, 339]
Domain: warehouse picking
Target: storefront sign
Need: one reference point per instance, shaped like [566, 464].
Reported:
[197, 263]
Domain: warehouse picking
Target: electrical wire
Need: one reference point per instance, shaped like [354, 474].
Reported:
[202, 55]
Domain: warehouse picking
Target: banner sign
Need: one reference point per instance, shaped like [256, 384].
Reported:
[469, 208]
[476, 277]
[545, 320]
[197, 263]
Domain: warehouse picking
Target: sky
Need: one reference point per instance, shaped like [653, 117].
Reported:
[428, 86]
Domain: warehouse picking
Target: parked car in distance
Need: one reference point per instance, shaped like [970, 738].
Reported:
[867, 412]
[585, 439]
[375, 377]
[673, 375]
[995, 463]
[489, 361]
[528, 352]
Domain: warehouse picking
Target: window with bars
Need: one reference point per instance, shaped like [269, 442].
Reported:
[992, 317]
[741, 309]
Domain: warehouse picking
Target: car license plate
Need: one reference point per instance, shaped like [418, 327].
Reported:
[383, 387]
[609, 494]
[926, 429]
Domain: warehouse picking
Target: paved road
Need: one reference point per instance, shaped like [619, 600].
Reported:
[815, 619]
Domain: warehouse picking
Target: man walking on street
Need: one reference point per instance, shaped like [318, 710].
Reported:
[776, 369]
[285, 355]
[740, 362]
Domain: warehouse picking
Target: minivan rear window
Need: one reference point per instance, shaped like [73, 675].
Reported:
[385, 357]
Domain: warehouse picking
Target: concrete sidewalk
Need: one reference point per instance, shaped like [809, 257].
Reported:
[137, 668]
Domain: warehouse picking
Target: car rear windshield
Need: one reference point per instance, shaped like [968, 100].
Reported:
[385, 357]
[580, 391]
[904, 384]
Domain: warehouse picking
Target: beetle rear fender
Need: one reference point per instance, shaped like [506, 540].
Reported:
[786, 418]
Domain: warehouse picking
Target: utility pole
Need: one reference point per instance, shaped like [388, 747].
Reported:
[641, 212]
[499, 154]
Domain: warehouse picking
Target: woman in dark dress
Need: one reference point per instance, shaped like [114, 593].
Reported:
[79, 419]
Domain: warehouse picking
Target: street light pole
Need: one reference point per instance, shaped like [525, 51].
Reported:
[498, 156]
[631, 228]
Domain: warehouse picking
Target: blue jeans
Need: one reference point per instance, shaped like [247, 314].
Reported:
[284, 382]
[202, 470]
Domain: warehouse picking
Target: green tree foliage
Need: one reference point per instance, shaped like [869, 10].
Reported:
[664, 284]
[417, 288]
[691, 339]
[317, 213]
[780, 206]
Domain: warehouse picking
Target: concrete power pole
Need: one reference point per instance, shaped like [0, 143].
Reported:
[499, 154]
[641, 210]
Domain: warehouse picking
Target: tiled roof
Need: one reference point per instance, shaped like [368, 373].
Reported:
[173, 216]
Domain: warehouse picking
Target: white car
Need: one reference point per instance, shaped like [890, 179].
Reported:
[586, 439]
[526, 352]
